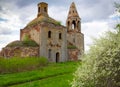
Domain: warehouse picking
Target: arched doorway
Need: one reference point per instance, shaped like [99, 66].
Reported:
[57, 57]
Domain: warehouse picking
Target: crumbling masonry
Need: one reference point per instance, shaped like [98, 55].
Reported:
[56, 42]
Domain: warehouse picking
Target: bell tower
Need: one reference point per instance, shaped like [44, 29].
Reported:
[74, 34]
[42, 9]
[73, 20]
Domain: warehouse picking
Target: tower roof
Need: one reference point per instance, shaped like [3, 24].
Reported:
[73, 11]
[41, 3]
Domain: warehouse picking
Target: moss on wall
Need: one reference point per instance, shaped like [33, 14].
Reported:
[29, 43]
[71, 47]
[43, 19]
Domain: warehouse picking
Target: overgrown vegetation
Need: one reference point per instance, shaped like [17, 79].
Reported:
[43, 19]
[23, 44]
[101, 65]
[58, 22]
[28, 42]
[21, 64]
[57, 74]
[71, 47]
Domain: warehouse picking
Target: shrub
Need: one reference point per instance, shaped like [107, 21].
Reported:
[21, 64]
[101, 65]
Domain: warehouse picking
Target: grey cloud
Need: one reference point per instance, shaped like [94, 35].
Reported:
[22, 3]
[99, 10]
[89, 10]
[2, 11]
[4, 31]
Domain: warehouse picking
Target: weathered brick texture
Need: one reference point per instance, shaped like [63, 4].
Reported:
[8, 52]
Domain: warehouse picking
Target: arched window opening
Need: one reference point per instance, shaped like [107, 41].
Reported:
[49, 53]
[60, 36]
[68, 24]
[73, 25]
[49, 34]
[38, 9]
[45, 9]
[74, 40]
[57, 57]
[78, 25]
[69, 12]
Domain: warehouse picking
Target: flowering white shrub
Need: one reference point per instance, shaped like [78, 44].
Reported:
[101, 65]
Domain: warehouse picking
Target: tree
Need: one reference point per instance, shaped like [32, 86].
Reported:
[101, 65]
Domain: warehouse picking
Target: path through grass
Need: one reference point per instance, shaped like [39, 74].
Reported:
[56, 72]
[56, 81]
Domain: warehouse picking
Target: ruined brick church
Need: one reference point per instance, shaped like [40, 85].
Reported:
[56, 42]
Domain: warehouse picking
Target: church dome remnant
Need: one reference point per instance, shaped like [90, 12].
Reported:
[43, 18]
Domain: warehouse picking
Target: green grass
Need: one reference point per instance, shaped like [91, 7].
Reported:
[57, 71]
[21, 64]
[57, 81]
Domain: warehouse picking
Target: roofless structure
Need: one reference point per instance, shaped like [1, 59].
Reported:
[54, 41]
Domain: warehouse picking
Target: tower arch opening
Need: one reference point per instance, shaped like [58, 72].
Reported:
[78, 25]
[45, 9]
[38, 9]
[73, 25]
[68, 25]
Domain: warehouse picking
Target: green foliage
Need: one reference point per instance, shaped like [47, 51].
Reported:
[51, 74]
[21, 64]
[28, 42]
[43, 19]
[26, 38]
[101, 65]
[117, 6]
[58, 22]
[15, 43]
[71, 47]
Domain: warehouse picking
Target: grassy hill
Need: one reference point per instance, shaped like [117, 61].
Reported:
[52, 75]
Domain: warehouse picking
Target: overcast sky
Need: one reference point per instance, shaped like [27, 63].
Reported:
[97, 16]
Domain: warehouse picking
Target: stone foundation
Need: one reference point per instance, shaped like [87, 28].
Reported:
[19, 52]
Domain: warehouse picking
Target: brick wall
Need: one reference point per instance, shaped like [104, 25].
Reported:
[73, 54]
[19, 52]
